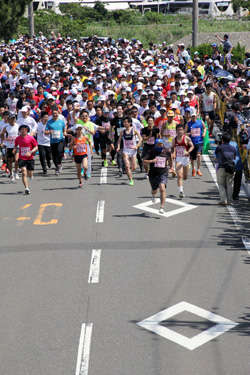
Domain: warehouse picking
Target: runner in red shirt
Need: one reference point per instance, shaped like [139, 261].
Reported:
[27, 148]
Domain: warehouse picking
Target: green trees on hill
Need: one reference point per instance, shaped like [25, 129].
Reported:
[10, 13]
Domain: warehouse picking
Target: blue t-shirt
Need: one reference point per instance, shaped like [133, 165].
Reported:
[228, 150]
[196, 130]
[58, 128]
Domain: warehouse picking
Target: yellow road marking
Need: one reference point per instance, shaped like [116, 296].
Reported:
[38, 219]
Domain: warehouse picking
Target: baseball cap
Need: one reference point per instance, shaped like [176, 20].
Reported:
[193, 112]
[105, 110]
[170, 113]
[24, 109]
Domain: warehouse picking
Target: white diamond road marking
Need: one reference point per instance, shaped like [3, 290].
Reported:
[222, 325]
[184, 207]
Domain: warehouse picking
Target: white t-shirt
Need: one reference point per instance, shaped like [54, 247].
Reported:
[137, 125]
[141, 110]
[28, 121]
[42, 139]
[12, 104]
[12, 133]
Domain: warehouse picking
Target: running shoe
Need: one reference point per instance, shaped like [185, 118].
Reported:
[199, 173]
[31, 178]
[60, 168]
[3, 167]
[85, 176]
[173, 173]
[27, 191]
[193, 172]
[89, 175]
[131, 183]
[181, 195]
[113, 162]
[119, 173]
[105, 163]
[82, 171]
[222, 203]
[153, 199]
[16, 175]
[7, 170]
[12, 178]
[161, 210]
[146, 176]
[80, 184]
[57, 173]
[70, 153]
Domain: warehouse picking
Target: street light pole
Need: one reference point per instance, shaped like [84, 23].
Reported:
[31, 19]
[195, 24]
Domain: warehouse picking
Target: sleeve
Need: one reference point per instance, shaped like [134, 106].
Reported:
[34, 142]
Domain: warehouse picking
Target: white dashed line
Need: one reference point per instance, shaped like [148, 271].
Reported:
[100, 212]
[82, 365]
[104, 172]
[232, 210]
[94, 270]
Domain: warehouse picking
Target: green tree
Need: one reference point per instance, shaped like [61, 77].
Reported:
[10, 13]
[241, 4]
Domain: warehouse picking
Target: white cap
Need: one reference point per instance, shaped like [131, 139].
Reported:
[25, 109]
[193, 112]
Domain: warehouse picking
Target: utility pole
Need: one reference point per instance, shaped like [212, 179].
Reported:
[31, 20]
[195, 24]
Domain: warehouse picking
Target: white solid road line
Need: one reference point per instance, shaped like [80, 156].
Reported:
[100, 212]
[82, 364]
[104, 172]
[94, 270]
[232, 210]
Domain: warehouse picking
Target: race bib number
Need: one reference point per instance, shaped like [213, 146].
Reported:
[160, 162]
[180, 151]
[56, 134]
[171, 133]
[196, 132]
[128, 143]
[12, 140]
[106, 125]
[81, 148]
[151, 141]
[24, 151]
[119, 130]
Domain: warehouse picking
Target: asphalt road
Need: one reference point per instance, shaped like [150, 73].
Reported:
[187, 264]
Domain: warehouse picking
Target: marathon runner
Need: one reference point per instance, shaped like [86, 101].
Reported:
[27, 148]
[181, 148]
[129, 146]
[156, 159]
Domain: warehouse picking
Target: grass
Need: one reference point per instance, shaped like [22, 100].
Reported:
[170, 32]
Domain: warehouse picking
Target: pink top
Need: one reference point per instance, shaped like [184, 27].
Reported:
[26, 144]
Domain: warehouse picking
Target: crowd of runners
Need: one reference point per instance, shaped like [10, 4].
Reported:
[121, 102]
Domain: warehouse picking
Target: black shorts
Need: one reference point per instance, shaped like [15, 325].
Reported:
[28, 164]
[146, 150]
[104, 142]
[156, 181]
[10, 153]
[79, 158]
[210, 114]
[197, 150]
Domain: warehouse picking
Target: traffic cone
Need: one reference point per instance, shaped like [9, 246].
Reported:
[206, 144]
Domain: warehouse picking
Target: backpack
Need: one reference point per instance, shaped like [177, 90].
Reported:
[229, 164]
